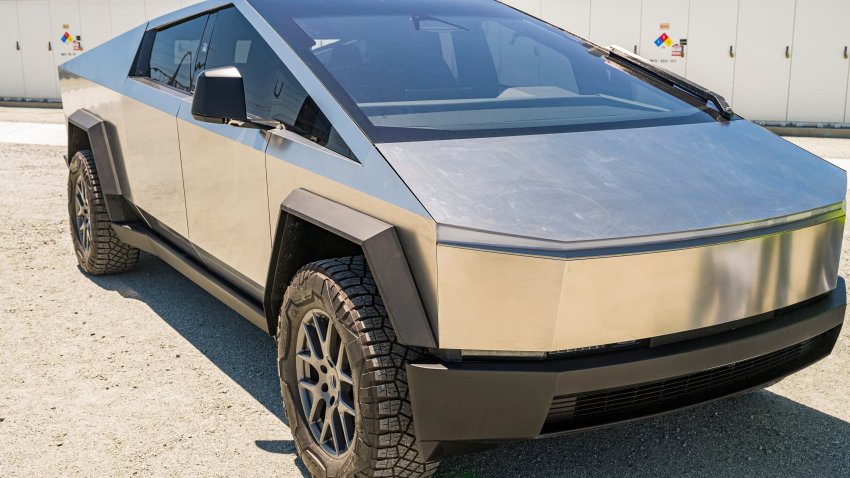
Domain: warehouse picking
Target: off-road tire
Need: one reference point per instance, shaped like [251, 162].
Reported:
[106, 254]
[383, 445]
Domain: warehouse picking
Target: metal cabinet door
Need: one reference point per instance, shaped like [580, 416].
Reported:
[819, 69]
[41, 80]
[531, 7]
[12, 78]
[227, 202]
[712, 32]
[616, 22]
[847, 107]
[571, 15]
[763, 64]
[65, 30]
[156, 8]
[151, 152]
[95, 23]
[664, 34]
[126, 15]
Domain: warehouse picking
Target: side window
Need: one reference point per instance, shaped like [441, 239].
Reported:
[271, 91]
[173, 54]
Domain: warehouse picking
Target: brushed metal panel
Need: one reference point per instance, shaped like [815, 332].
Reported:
[370, 187]
[379, 179]
[151, 151]
[224, 175]
[79, 93]
[108, 63]
[494, 301]
[631, 183]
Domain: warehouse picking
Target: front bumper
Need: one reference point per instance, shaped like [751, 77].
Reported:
[464, 406]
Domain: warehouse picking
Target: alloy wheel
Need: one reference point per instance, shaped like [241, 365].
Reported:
[82, 216]
[325, 383]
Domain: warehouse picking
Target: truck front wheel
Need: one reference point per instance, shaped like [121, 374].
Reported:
[343, 377]
[98, 249]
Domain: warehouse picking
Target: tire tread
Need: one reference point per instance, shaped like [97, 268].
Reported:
[386, 419]
[110, 254]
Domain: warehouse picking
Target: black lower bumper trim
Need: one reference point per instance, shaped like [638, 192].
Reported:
[571, 412]
[458, 406]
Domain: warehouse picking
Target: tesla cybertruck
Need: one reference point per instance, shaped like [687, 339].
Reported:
[462, 225]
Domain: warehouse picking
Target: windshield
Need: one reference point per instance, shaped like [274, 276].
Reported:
[436, 69]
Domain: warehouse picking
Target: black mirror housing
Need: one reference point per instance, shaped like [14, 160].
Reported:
[219, 96]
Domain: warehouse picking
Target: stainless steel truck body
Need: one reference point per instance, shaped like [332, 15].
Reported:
[453, 215]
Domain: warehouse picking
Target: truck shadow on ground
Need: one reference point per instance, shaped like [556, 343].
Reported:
[759, 434]
[234, 345]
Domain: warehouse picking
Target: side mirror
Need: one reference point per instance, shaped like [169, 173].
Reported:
[219, 96]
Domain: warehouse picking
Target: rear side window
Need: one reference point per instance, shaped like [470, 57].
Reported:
[271, 91]
[173, 54]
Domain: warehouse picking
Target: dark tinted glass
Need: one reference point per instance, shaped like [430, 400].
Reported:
[428, 69]
[271, 92]
[175, 52]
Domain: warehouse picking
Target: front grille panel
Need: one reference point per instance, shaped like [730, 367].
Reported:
[608, 406]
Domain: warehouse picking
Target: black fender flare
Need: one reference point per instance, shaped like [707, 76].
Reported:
[379, 243]
[109, 171]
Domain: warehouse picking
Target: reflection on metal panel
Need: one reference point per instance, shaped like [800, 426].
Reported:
[153, 167]
[612, 184]
[370, 187]
[492, 301]
[224, 170]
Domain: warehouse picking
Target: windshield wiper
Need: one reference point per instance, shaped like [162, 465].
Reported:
[628, 58]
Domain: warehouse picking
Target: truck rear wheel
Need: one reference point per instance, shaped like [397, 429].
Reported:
[343, 377]
[98, 249]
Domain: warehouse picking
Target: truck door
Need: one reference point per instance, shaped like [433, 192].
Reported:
[224, 166]
[161, 79]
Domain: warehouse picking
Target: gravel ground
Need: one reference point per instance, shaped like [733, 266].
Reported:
[32, 115]
[825, 147]
[146, 374]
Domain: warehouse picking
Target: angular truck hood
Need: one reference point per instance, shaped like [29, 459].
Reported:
[574, 188]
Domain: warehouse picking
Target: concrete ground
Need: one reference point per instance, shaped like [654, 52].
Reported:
[145, 374]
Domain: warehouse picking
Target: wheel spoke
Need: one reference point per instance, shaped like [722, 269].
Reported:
[82, 213]
[344, 425]
[325, 336]
[315, 397]
[324, 432]
[340, 356]
[345, 377]
[306, 356]
[325, 382]
[84, 231]
[329, 420]
[78, 203]
[313, 340]
[311, 387]
[345, 407]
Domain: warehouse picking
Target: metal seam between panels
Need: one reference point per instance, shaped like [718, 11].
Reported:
[452, 236]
